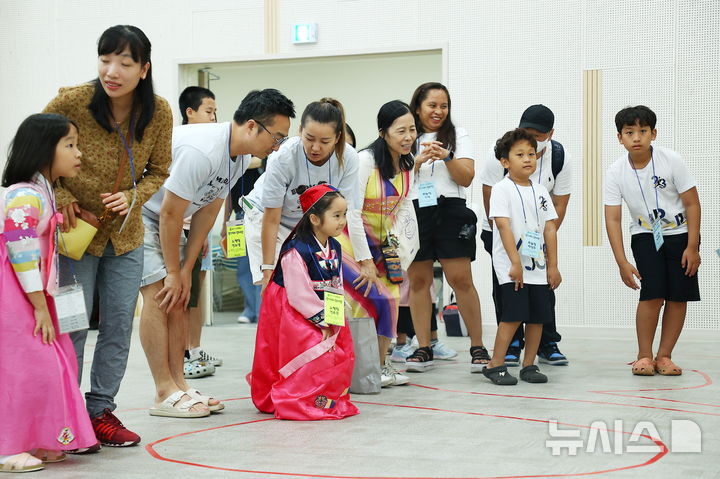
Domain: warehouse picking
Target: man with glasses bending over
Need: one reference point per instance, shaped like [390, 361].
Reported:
[207, 161]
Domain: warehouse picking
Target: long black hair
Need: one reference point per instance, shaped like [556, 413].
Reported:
[328, 110]
[446, 133]
[115, 40]
[304, 229]
[387, 115]
[33, 148]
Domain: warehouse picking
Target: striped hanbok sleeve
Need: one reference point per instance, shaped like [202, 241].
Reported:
[23, 210]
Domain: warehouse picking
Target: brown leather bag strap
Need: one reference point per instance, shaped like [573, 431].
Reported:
[125, 157]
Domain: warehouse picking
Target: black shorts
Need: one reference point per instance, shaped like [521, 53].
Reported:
[663, 276]
[446, 230]
[531, 304]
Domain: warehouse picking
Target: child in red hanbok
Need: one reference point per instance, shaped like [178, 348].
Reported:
[303, 364]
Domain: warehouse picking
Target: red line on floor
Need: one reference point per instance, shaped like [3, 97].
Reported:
[663, 449]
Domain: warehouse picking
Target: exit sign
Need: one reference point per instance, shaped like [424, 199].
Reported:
[304, 33]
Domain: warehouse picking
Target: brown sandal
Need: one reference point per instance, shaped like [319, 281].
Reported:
[666, 367]
[643, 367]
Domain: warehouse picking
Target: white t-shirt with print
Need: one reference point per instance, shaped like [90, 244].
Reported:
[665, 176]
[201, 170]
[537, 205]
[493, 172]
[437, 172]
[289, 173]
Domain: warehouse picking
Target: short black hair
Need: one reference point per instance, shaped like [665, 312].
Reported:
[631, 115]
[504, 144]
[33, 147]
[192, 97]
[262, 106]
[349, 136]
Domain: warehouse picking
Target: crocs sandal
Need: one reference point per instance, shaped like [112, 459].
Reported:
[480, 359]
[196, 368]
[22, 462]
[47, 455]
[172, 407]
[665, 367]
[195, 394]
[420, 361]
[643, 367]
[499, 375]
[532, 374]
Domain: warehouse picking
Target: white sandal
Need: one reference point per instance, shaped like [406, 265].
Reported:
[195, 394]
[172, 407]
[22, 462]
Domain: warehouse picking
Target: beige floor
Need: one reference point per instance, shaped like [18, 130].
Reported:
[447, 424]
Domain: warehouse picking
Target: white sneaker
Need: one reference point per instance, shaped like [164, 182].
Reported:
[398, 378]
[440, 351]
[243, 319]
[387, 377]
[399, 354]
[205, 357]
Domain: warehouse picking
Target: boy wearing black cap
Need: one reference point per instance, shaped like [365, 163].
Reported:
[554, 172]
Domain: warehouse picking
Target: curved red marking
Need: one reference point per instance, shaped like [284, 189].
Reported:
[707, 382]
[150, 448]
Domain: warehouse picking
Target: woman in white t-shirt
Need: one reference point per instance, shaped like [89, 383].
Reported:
[445, 166]
[319, 155]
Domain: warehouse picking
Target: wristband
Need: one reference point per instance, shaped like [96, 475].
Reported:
[450, 156]
[265, 267]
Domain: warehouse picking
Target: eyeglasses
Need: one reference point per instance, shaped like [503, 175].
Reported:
[278, 141]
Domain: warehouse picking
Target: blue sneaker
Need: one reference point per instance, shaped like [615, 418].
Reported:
[400, 353]
[512, 356]
[550, 354]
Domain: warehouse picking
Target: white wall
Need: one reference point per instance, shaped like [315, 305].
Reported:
[503, 55]
[359, 82]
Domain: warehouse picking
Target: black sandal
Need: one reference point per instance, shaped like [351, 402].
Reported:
[420, 361]
[480, 358]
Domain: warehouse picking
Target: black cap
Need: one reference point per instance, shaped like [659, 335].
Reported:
[537, 117]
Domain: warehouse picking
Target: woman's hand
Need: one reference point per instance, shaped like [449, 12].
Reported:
[70, 213]
[368, 276]
[44, 325]
[117, 203]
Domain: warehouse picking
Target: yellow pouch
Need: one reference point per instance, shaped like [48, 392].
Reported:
[74, 243]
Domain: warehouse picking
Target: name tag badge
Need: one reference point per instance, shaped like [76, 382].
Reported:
[235, 231]
[70, 308]
[532, 244]
[657, 234]
[334, 307]
[426, 194]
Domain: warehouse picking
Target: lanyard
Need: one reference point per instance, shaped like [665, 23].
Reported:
[242, 164]
[307, 167]
[657, 202]
[384, 197]
[57, 234]
[537, 212]
[128, 149]
[312, 255]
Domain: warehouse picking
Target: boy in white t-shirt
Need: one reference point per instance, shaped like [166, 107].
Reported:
[524, 255]
[665, 227]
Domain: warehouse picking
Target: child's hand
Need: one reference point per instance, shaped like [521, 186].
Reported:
[44, 325]
[553, 277]
[326, 332]
[516, 274]
[628, 273]
[690, 261]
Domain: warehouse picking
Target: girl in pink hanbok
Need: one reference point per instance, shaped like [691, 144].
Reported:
[303, 364]
[43, 412]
